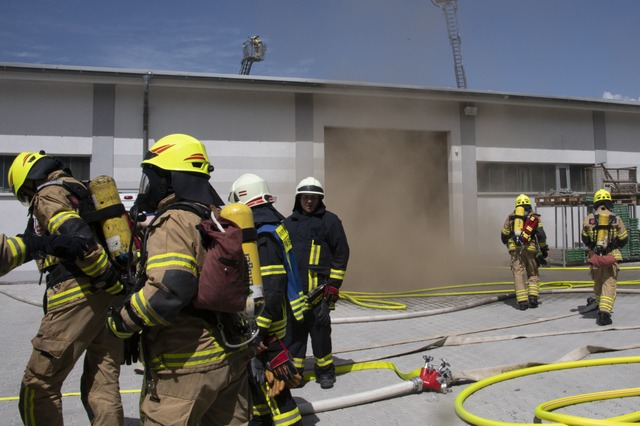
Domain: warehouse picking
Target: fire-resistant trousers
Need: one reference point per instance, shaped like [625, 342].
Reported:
[525, 269]
[215, 397]
[280, 410]
[605, 280]
[298, 333]
[66, 332]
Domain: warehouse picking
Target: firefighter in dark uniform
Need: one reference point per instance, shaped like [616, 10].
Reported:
[78, 295]
[273, 403]
[191, 377]
[524, 236]
[321, 249]
[604, 233]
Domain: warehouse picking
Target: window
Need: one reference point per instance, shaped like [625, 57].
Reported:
[509, 177]
[79, 167]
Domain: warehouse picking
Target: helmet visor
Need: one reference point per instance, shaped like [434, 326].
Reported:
[145, 185]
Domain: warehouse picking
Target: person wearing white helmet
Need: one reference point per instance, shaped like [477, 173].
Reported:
[604, 233]
[526, 241]
[322, 251]
[273, 371]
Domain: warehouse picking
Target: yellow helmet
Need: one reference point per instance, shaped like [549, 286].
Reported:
[602, 195]
[19, 172]
[180, 153]
[523, 200]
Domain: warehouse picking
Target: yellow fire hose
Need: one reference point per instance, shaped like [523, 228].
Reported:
[542, 411]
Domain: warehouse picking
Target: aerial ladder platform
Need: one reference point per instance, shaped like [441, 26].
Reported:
[450, 9]
[253, 50]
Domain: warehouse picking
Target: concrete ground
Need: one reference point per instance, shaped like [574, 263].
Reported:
[478, 334]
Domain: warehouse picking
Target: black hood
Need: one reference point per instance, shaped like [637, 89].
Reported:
[264, 214]
[195, 187]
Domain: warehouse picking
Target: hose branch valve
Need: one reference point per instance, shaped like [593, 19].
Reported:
[437, 379]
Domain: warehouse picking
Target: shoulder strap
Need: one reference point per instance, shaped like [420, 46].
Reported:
[201, 211]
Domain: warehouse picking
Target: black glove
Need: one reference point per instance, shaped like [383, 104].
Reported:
[541, 261]
[544, 251]
[331, 293]
[322, 313]
[257, 371]
[63, 246]
[132, 349]
[116, 324]
[108, 281]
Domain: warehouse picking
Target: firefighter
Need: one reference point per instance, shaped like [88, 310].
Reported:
[15, 251]
[273, 370]
[78, 294]
[524, 237]
[321, 249]
[190, 376]
[604, 233]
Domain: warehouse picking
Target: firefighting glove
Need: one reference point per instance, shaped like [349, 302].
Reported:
[274, 385]
[258, 371]
[541, 261]
[331, 293]
[544, 251]
[63, 246]
[108, 281]
[132, 349]
[116, 324]
[322, 313]
[281, 365]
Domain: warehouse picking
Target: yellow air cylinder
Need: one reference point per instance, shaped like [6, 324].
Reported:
[602, 236]
[518, 222]
[116, 230]
[243, 217]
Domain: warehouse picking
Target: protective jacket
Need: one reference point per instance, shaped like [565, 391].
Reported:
[320, 247]
[74, 322]
[615, 231]
[178, 339]
[278, 275]
[13, 252]
[57, 211]
[537, 238]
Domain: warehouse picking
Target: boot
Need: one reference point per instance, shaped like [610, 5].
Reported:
[604, 318]
[533, 301]
[326, 381]
[523, 306]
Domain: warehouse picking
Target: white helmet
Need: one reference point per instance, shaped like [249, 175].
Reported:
[310, 185]
[251, 190]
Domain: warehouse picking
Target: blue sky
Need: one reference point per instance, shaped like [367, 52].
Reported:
[566, 48]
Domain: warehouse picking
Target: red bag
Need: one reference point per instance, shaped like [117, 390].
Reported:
[602, 261]
[222, 286]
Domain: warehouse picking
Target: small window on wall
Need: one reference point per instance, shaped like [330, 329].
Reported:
[79, 167]
[509, 177]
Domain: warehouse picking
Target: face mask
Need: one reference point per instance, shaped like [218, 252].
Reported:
[153, 188]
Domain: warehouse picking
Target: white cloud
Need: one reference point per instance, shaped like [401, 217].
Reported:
[615, 97]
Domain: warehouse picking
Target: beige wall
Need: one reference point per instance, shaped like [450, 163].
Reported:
[287, 130]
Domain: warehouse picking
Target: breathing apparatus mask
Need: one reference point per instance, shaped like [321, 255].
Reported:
[155, 185]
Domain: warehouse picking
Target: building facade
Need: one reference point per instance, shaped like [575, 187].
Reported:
[421, 177]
